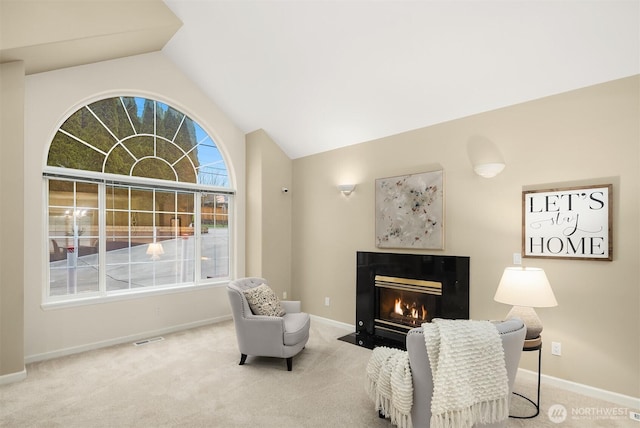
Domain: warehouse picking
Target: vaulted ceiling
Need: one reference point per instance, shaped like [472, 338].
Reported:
[318, 75]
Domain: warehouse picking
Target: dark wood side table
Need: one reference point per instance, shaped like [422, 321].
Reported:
[532, 345]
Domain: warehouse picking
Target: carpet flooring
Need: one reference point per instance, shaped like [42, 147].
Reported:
[192, 379]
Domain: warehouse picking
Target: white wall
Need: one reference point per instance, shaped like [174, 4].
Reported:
[50, 98]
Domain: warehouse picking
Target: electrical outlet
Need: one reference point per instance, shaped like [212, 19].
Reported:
[327, 301]
[517, 258]
[556, 348]
[284, 294]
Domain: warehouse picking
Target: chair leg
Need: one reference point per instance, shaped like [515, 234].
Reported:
[289, 363]
[243, 358]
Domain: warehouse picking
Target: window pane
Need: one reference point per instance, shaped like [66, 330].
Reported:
[185, 257]
[184, 169]
[166, 201]
[154, 168]
[67, 278]
[210, 165]
[87, 195]
[66, 152]
[117, 264]
[169, 151]
[117, 198]
[185, 203]
[168, 120]
[112, 114]
[145, 116]
[84, 125]
[73, 237]
[141, 199]
[119, 161]
[214, 233]
[186, 138]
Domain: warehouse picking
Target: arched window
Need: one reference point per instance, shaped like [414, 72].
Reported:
[138, 199]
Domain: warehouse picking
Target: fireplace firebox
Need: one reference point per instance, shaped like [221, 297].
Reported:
[397, 292]
[405, 303]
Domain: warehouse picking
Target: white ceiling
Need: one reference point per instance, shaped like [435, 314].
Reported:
[318, 75]
[322, 74]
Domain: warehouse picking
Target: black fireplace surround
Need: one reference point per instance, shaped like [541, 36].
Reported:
[449, 274]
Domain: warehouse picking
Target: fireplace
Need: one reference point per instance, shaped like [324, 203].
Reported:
[398, 292]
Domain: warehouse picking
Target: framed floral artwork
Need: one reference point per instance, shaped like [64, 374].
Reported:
[410, 211]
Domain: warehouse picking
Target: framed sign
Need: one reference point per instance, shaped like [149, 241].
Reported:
[410, 211]
[569, 223]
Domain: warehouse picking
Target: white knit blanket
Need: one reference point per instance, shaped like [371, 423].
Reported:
[389, 384]
[470, 382]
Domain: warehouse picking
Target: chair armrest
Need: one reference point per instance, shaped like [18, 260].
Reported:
[258, 333]
[291, 306]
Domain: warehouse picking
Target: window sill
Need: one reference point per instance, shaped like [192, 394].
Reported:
[94, 299]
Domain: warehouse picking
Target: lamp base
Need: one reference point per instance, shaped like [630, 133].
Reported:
[530, 318]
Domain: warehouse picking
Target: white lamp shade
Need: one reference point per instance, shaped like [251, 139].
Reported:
[525, 286]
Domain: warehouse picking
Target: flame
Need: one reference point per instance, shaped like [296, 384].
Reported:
[398, 308]
[403, 309]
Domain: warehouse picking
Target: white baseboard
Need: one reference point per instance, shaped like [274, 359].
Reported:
[342, 325]
[118, 340]
[586, 390]
[13, 377]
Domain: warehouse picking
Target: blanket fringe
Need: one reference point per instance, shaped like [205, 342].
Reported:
[485, 412]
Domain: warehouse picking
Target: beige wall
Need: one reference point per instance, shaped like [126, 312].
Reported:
[12, 198]
[579, 136]
[269, 212]
[50, 98]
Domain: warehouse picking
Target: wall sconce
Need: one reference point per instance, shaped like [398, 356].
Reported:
[488, 170]
[346, 189]
[485, 157]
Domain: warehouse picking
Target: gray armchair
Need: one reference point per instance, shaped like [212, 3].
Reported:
[267, 336]
[512, 333]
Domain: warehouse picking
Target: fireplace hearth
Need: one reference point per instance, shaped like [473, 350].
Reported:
[398, 292]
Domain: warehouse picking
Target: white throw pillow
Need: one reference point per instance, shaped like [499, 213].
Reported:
[263, 301]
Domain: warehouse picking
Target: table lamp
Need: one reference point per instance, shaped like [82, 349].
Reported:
[526, 288]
